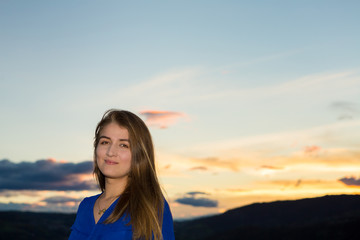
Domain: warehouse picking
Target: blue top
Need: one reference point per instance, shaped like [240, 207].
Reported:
[85, 228]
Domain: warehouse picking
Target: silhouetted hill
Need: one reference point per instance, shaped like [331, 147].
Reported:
[329, 217]
[40, 226]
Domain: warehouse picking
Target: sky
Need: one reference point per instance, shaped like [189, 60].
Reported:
[247, 101]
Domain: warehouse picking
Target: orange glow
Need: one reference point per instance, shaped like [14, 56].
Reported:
[162, 119]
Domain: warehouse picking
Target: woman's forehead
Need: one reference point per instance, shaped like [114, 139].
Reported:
[113, 129]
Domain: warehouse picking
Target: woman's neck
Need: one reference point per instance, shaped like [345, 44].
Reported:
[114, 187]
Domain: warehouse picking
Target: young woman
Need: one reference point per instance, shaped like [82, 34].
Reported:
[131, 205]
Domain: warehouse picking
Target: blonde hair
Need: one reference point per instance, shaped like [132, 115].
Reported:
[142, 198]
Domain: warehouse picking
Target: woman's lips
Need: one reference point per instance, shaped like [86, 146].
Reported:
[109, 162]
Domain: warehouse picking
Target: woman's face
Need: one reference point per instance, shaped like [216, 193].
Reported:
[113, 155]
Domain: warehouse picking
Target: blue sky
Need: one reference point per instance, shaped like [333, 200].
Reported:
[254, 94]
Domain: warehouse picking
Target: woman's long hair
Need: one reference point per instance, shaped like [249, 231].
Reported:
[142, 199]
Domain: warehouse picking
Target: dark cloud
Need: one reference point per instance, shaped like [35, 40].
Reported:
[197, 202]
[191, 199]
[45, 175]
[350, 181]
[196, 193]
[61, 200]
[15, 193]
[38, 208]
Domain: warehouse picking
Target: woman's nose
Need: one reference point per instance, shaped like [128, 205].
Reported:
[111, 152]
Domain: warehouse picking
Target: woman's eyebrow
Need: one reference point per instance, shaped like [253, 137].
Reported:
[104, 137]
[121, 139]
[124, 139]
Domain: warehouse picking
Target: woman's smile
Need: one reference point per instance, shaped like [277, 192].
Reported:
[109, 162]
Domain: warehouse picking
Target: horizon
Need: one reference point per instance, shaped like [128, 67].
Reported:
[246, 102]
[197, 217]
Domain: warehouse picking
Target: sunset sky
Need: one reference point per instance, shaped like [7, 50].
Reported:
[247, 101]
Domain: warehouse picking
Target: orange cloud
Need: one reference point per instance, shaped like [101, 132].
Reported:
[295, 183]
[202, 168]
[312, 149]
[271, 167]
[215, 162]
[167, 166]
[162, 119]
[236, 190]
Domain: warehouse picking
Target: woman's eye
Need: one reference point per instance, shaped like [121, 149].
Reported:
[104, 142]
[124, 145]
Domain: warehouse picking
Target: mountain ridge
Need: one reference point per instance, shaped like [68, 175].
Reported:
[279, 219]
[327, 217]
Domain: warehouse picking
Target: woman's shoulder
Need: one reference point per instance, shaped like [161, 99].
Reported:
[88, 201]
[92, 198]
[168, 224]
[167, 210]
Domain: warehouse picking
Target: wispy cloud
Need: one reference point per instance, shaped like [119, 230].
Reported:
[346, 110]
[266, 58]
[313, 149]
[311, 84]
[200, 168]
[336, 134]
[271, 167]
[215, 162]
[162, 119]
[45, 175]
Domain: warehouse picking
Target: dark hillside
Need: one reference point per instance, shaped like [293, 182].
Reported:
[329, 217]
[28, 225]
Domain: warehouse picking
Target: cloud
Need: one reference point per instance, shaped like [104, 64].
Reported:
[235, 190]
[271, 167]
[345, 106]
[350, 181]
[61, 200]
[296, 183]
[197, 202]
[201, 168]
[45, 175]
[215, 162]
[38, 208]
[312, 149]
[197, 193]
[162, 119]
[310, 83]
[281, 140]
[15, 193]
[191, 199]
[346, 110]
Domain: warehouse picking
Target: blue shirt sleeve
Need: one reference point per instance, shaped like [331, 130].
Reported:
[83, 223]
[168, 224]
